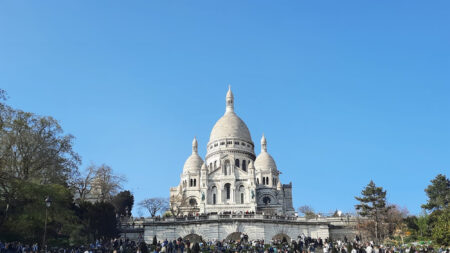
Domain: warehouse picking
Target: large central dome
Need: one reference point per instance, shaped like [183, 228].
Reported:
[230, 125]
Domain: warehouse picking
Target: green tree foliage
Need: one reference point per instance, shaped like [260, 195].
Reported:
[433, 224]
[438, 193]
[441, 229]
[422, 226]
[123, 201]
[99, 220]
[3, 106]
[25, 219]
[372, 205]
[33, 149]
[37, 160]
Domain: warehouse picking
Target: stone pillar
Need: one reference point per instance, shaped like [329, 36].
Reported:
[233, 195]
[219, 195]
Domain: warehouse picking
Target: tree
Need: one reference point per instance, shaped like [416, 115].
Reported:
[179, 204]
[175, 203]
[441, 229]
[422, 221]
[37, 160]
[308, 211]
[3, 98]
[372, 205]
[99, 220]
[105, 184]
[81, 184]
[438, 193]
[393, 222]
[33, 150]
[154, 205]
[26, 217]
[122, 202]
[3, 94]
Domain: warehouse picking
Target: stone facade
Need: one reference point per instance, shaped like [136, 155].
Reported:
[232, 178]
[256, 226]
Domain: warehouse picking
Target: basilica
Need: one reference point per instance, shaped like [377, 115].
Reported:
[231, 178]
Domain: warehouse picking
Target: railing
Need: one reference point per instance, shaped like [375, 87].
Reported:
[139, 223]
[230, 216]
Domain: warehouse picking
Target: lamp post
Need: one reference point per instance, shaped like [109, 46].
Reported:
[127, 210]
[48, 203]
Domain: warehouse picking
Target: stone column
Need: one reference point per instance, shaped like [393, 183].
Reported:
[233, 195]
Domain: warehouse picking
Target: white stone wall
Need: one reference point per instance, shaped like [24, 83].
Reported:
[220, 229]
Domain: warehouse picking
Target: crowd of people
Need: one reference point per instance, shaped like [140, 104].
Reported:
[115, 245]
[303, 244]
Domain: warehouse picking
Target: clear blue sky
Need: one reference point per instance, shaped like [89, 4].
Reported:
[345, 91]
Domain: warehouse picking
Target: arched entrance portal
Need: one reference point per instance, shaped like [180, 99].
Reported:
[193, 238]
[236, 236]
[281, 237]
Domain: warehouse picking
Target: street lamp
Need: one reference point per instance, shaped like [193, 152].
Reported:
[48, 203]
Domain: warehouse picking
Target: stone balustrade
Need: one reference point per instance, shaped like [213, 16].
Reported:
[139, 222]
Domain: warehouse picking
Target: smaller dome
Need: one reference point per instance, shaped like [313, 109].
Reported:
[194, 162]
[265, 161]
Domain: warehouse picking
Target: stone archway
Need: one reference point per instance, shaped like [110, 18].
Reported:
[281, 237]
[193, 238]
[235, 236]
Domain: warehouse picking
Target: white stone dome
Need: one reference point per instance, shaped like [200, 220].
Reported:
[230, 125]
[194, 161]
[265, 161]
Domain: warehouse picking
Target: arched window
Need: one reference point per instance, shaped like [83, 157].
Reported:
[257, 181]
[228, 190]
[242, 190]
[266, 200]
[190, 183]
[192, 202]
[236, 163]
[244, 165]
[195, 182]
[267, 180]
[214, 194]
[264, 181]
[215, 164]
